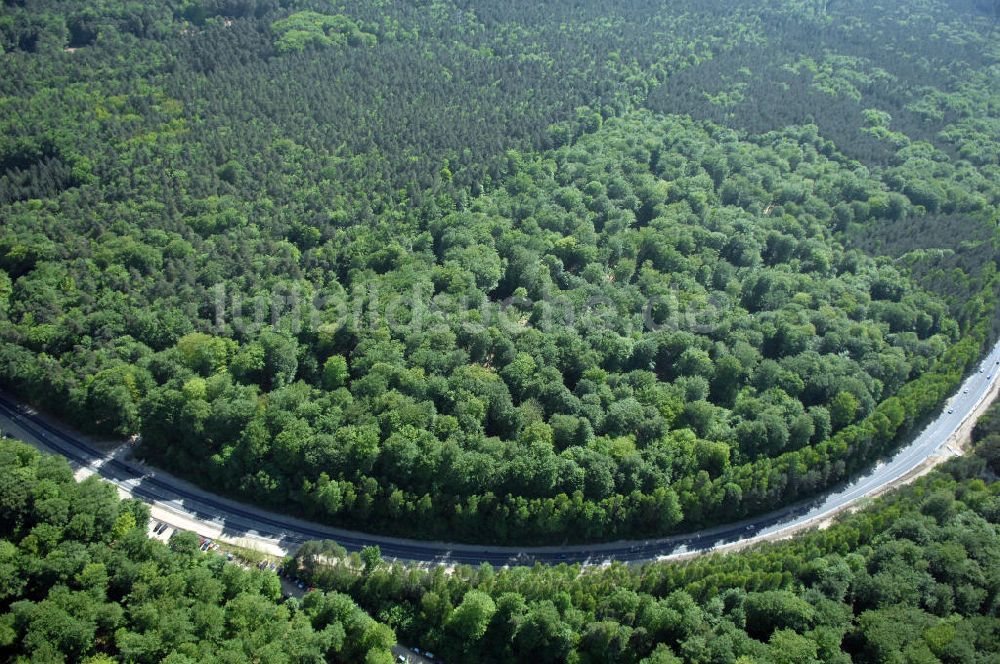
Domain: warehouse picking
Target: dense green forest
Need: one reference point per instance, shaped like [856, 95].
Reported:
[499, 271]
[80, 581]
[914, 577]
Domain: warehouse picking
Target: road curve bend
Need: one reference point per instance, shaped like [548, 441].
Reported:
[186, 507]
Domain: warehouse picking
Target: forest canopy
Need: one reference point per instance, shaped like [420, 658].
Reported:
[910, 578]
[509, 272]
[82, 582]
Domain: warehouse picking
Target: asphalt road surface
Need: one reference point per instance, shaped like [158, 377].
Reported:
[241, 522]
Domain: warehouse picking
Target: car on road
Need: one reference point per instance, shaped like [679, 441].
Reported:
[951, 410]
[400, 658]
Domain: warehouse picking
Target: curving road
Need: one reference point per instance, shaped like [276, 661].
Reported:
[187, 507]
